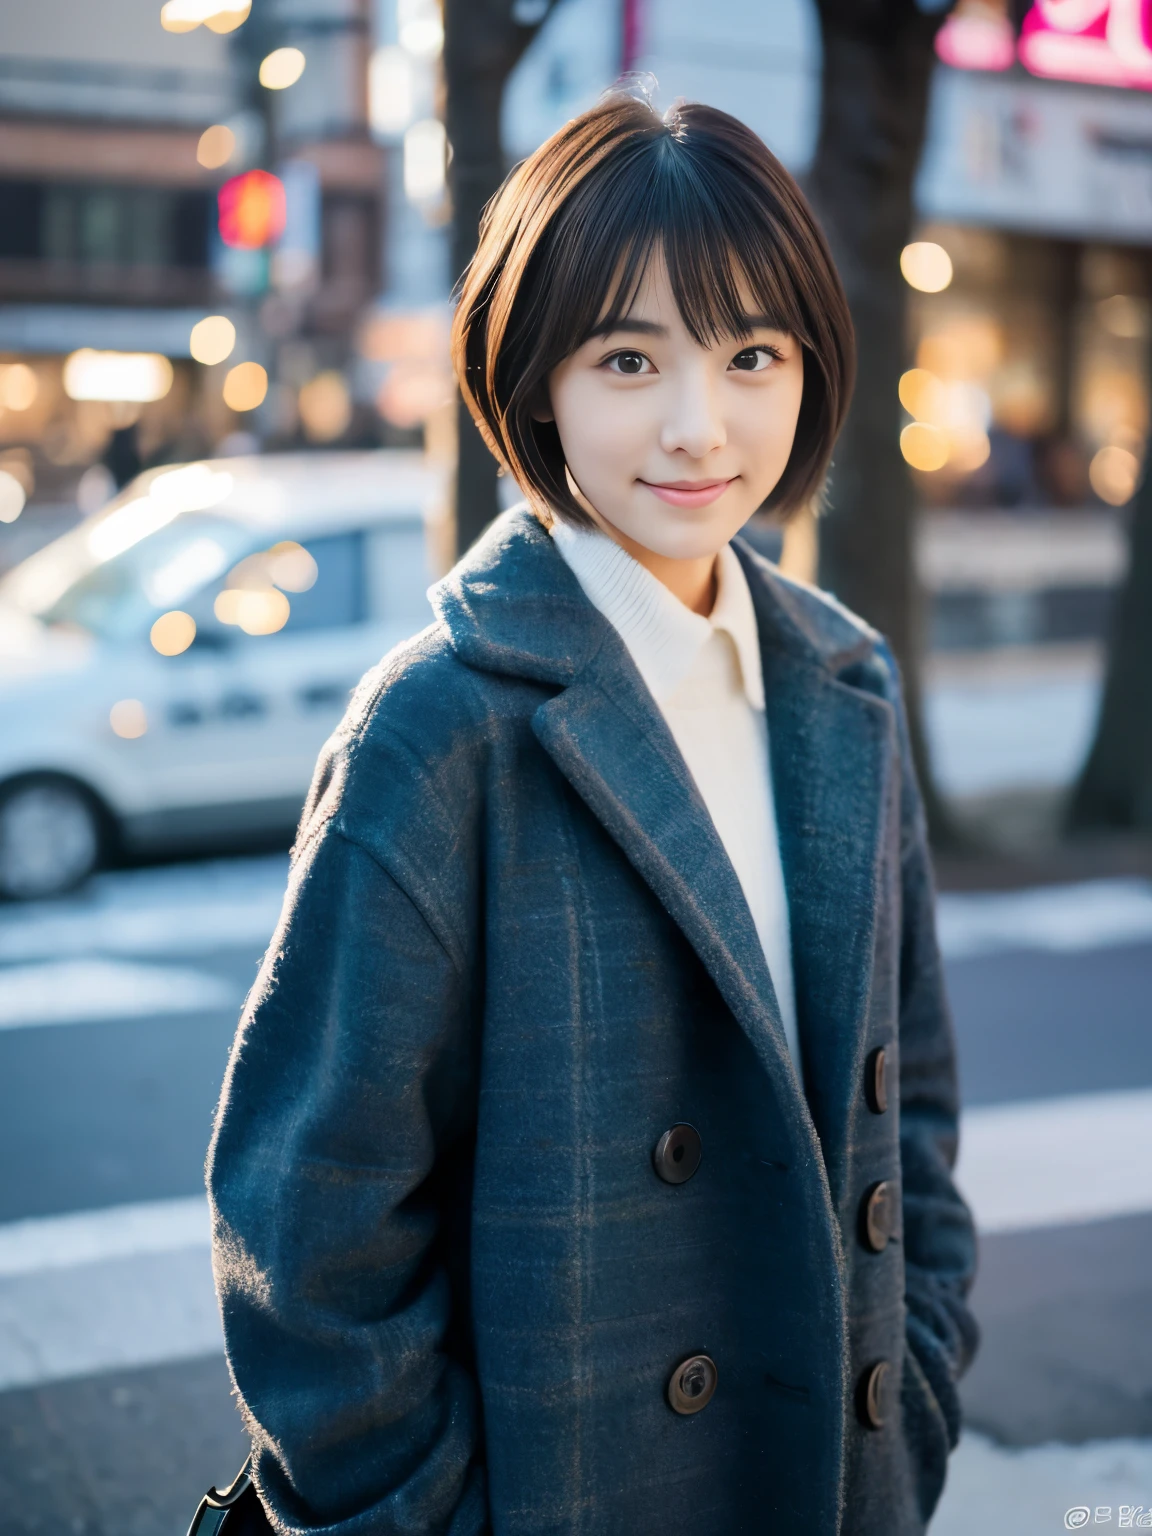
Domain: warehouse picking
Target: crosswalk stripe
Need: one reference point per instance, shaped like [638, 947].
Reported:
[115, 1232]
[1090, 914]
[102, 991]
[1000, 1490]
[131, 1285]
[116, 1314]
[177, 910]
[1057, 1162]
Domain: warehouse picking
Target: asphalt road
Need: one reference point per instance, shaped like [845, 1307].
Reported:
[116, 1010]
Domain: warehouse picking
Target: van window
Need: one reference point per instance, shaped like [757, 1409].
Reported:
[336, 598]
[399, 574]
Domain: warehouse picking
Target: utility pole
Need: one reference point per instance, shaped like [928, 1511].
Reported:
[483, 41]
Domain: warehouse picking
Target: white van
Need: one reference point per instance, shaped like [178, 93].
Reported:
[171, 667]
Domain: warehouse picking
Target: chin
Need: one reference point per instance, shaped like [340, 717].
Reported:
[686, 534]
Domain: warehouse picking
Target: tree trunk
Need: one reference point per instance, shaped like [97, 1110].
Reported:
[876, 76]
[1115, 787]
[482, 44]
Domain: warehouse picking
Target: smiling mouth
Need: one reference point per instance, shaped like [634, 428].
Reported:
[688, 493]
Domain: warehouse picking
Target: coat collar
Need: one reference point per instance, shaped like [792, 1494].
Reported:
[512, 606]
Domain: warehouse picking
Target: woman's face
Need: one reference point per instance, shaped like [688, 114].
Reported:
[672, 443]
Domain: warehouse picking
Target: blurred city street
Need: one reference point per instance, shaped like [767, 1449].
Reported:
[117, 1007]
[231, 463]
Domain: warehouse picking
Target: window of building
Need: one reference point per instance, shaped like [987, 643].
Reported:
[104, 225]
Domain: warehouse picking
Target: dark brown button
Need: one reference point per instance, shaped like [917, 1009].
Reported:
[692, 1384]
[871, 1397]
[677, 1154]
[878, 1216]
[876, 1081]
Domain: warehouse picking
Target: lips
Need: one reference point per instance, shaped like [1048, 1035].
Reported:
[687, 493]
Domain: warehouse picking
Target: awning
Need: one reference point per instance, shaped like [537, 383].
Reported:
[65, 327]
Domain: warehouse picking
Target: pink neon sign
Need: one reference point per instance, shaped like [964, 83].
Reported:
[1102, 42]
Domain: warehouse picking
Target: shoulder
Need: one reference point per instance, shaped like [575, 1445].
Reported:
[410, 750]
[829, 630]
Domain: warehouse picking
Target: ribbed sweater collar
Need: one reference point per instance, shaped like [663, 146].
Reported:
[664, 637]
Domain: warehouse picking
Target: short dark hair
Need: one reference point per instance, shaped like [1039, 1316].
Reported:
[564, 245]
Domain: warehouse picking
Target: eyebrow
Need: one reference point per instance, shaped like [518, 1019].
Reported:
[628, 326]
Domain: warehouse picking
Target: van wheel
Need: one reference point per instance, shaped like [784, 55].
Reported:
[49, 838]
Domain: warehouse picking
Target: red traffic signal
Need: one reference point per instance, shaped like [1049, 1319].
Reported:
[252, 210]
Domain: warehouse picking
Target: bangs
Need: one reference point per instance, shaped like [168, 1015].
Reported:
[720, 265]
[566, 246]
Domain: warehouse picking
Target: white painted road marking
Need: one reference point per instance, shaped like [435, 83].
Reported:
[177, 910]
[90, 1237]
[993, 1490]
[1094, 914]
[116, 1315]
[106, 1290]
[132, 1285]
[98, 991]
[234, 903]
[1057, 1162]
[1005, 733]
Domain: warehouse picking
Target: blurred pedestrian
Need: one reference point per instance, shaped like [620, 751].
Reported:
[584, 1159]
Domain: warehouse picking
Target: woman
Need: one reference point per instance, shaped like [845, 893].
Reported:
[583, 1163]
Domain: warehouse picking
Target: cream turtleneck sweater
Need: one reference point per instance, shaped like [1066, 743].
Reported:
[705, 676]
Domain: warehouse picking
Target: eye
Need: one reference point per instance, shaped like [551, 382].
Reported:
[754, 359]
[630, 364]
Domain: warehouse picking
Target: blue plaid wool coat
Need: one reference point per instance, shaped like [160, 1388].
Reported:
[513, 953]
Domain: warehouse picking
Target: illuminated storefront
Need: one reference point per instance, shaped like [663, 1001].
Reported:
[1030, 384]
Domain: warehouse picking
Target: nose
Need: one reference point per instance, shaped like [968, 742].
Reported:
[694, 423]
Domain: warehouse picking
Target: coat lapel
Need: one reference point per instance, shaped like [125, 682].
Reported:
[513, 606]
[608, 738]
[833, 756]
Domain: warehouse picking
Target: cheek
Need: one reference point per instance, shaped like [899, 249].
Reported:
[769, 417]
[599, 426]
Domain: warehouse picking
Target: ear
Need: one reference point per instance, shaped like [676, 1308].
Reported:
[541, 407]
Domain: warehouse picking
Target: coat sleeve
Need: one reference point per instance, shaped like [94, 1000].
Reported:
[351, 1080]
[939, 1236]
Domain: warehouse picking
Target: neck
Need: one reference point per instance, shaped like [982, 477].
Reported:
[692, 581]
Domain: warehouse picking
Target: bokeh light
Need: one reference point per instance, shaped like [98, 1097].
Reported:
[128, 719]
[212, 339]
[216, 147]
[1113, 474]
[173, 632]
[245, 387]
[12, 497]
[926, 266]
[325, 406]
[187, 15]
[425, 160]
[117, 376]
[256, 612]
[421, 28]
[252, 210]
[968, 450]
[282, 68]
[924, 447]
[19, 387]
[921, 394]
[228, 19]
[291, 567]
[1124, 316]
[391, 90]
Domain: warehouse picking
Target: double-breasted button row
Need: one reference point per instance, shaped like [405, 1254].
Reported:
[676, 1156]
[692, 1383]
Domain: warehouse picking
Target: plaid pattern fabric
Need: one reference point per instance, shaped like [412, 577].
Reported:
[512, 954]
